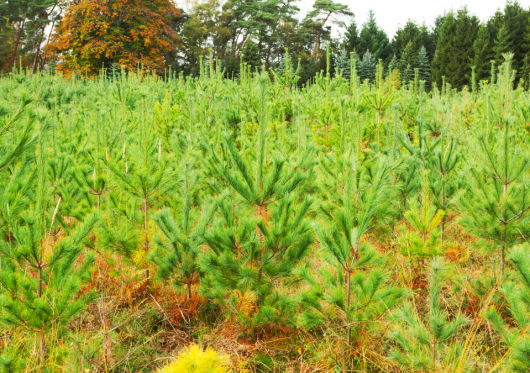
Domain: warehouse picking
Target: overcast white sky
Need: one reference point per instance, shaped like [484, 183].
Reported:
[390, 14]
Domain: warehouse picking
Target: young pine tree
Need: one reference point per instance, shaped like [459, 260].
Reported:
[178, 251]
[518, 296]
[9, 152]
[260, 235]
[428, 341]
[354, 288]
[498, 209]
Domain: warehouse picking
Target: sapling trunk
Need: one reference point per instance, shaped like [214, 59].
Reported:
[146, 235]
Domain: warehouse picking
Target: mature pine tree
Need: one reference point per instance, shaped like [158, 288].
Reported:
[424, 67]
[482, 57]
[323, 13]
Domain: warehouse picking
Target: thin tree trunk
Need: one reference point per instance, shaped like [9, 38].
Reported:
[43, 60]
[36, 56]
[346, 347]
[16, 44]
[146, 235]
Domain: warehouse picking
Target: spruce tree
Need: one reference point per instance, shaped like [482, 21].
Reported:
[408, 75]
[482, 56]
[374, 39]
[455, 49]
[250, 55]
[343, 65]
[367, 67]
[310, 70]
[502, 44]
[424, 67]
[351, 40]
[408, 58]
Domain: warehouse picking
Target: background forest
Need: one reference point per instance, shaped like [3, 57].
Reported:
[86, 36]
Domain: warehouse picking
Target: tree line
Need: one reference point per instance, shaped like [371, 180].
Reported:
[88, 35]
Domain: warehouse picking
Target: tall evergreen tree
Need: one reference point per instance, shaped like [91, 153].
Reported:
[408, 58]
[374, 39]
[424, 67]
[351, 39]
[408, 75]
[343, 64]
[323, 12]
[455, 49]
[419, 36]
[482, 57]
[367, 67]
[250, 55]
[502, 44]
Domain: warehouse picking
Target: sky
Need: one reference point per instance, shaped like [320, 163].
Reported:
[391, 14]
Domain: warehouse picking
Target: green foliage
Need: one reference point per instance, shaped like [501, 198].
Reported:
[499, 209]
[366, 67]
[455, 48]
[373, 39]
[353, 285]
[261, 241]
[431, 340]
[424, 67]
[517, 295]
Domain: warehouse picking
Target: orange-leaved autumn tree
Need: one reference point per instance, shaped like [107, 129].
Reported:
[97, 33]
